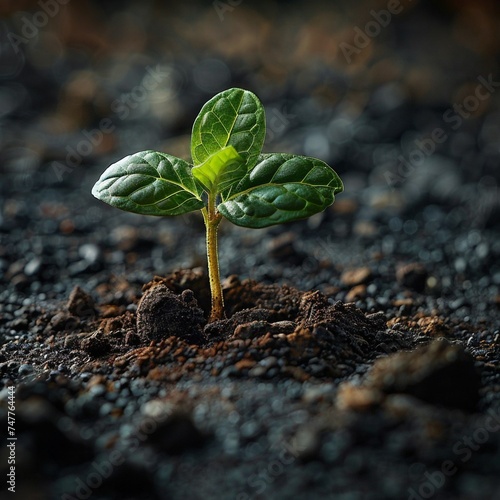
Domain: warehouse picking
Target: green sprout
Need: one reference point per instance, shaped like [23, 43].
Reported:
[230, 177]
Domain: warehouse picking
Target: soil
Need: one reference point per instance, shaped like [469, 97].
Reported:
[138, 397]
[360, 353]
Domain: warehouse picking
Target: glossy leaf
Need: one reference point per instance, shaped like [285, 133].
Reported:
[150, 183]
[235, 118]
[221, 170]
[281, 188]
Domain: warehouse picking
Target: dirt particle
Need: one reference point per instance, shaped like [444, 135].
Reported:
[283, 248]
[297, 373]
[176, 434]
[434, 326]
[131, 338]
[251, 330]
[356, 276]
[62, 321]
[161, 314]
[245, 364]
[80, 303]
[355, 293]
[345, 206]
[365, 228]
[440, 373]
[96, 345]
[351, 397]
[413, 276]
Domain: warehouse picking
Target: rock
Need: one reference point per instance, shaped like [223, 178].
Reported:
[63, 321]
[283, 248]
[439, 373]
[162, 314]
[408, 303]
[18, 324]
[15, 269]
[412, 276]
[49, 442]
[269, 362]
[244, 324]
[306, 443]
[365, 228]
[125, 238]
[20, 282]
[90, 253]
[355, 293]
[357, 276]
[80, 303]
[345, 206]
[252, 329]
[132, 339]
[176, 434]
[25, 369]
[352, 397]
[244, 364]
[257, 371]
[33, 267]
[434, 326]
[97, 345]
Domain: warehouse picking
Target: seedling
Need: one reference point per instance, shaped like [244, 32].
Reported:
[229, 177]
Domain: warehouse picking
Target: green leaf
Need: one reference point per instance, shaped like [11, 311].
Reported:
[150, 183]
[235, 118]
[221, 170]
[281, 188]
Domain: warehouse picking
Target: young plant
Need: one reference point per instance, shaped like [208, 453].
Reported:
[229, 177]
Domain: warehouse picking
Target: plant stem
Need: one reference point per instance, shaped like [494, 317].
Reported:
[212, 219]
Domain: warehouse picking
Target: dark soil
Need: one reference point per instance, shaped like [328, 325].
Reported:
[360, 354]
[292, 387]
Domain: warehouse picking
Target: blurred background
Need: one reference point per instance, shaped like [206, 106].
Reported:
[401, 97]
